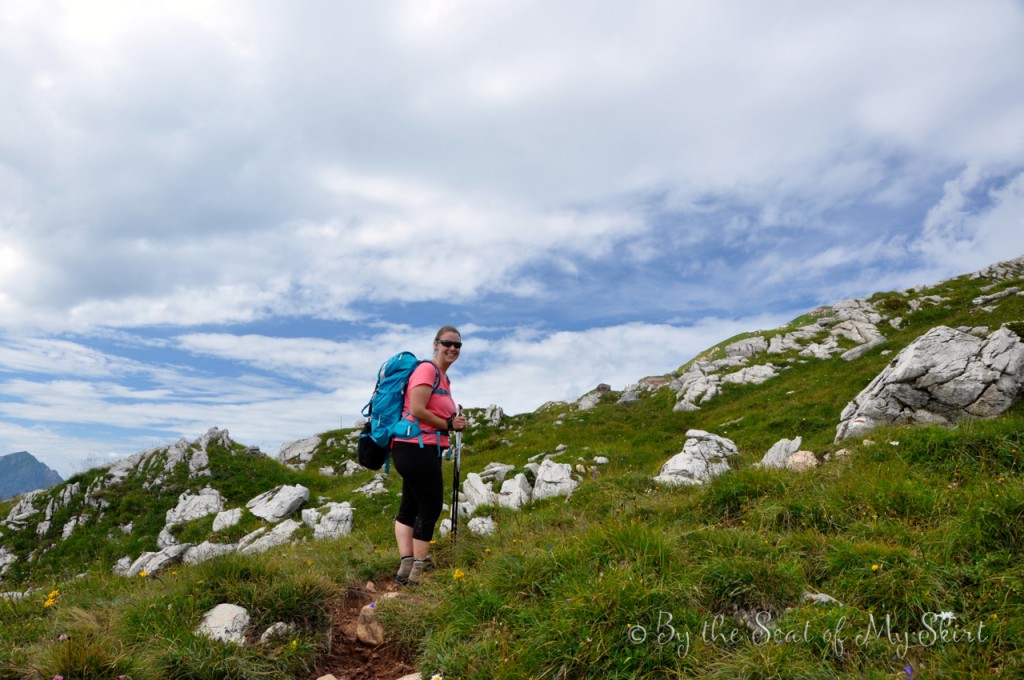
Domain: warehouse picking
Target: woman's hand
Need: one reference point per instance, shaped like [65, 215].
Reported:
[459, 423]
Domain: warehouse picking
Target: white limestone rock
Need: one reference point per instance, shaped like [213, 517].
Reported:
[553, 479]
[496, 472]
[7, 558]
[943, 377]
[166, 539]
[860, 350]
[780, 452]
[277, 631]
[747, 347]
[593, 398]
[279, 503]
[515, 492]
[478, 492]
[197, 554]
[494, 415]
[482, 526]
[227, 519]
[226, 623]
[152, 562]
[334, 523]
[261, 541]
[123, 566]
[296, 454]
[704, 456]
[374, 487]
[751, 375]
[193, 506]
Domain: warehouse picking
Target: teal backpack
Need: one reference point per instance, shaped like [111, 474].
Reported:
[384, 411]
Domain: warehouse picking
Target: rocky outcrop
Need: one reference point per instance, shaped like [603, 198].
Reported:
[745, 361]
[296, 454]
[703, 457]
[593, 398]
[279, 503]
[554, 479]
[334, 523]
[193, 506]
[262, 540]
[943, 377]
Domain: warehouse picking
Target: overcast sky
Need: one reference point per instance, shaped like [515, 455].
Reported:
[230, 213]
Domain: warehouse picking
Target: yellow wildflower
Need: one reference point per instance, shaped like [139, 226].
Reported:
[874, 567]
[143, 574]
[459, 574]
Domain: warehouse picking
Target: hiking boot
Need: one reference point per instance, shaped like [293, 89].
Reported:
[404, 569]
[416, 574]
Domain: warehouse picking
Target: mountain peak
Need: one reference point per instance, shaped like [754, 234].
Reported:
[21, 472]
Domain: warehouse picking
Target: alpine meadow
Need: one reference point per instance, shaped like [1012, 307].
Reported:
[879, 539]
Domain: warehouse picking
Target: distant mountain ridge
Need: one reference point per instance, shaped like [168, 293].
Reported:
[21, 472]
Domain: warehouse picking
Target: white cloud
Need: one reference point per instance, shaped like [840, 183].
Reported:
[180, 179]
[975, 224]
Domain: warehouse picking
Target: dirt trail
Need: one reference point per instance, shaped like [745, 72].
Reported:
[348, 658]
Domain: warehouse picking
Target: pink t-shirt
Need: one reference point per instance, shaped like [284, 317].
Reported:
[440, 403]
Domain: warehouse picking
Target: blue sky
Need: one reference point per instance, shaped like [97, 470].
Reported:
[229, 213]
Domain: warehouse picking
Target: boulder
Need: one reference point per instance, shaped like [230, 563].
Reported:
[593, 398]
[193, 506]
[277, 631]
[482, 526]
[751, 375]
[494, 415]
[985, 299]
[373, 487]
[703, 457]
[477, 492]
[122, 566]
[747, 347]
[225, 622]
[298, 453]
[515, 492]
[279, 503]
[860, 350]
[553, 479]
[166, 539]
[152, 562]
[227, 519]
[206, 550]
[496, 472]
[7, 558]
[943, 377]
[780, 452]
[802, 460]
[334, 523]
[261, 541]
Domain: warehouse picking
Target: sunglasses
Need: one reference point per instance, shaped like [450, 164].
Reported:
[451, 343]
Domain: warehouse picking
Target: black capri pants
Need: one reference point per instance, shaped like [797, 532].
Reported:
[422, 487]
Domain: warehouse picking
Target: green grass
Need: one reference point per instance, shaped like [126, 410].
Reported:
[625, 579]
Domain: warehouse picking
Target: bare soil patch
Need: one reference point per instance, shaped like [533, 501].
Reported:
[349, 659]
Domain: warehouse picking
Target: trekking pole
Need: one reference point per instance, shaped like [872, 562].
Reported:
[457, 455]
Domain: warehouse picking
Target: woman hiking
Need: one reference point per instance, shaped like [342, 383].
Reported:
[418, 458]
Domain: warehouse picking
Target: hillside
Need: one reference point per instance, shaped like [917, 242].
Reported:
[894, 550]
[21, 472]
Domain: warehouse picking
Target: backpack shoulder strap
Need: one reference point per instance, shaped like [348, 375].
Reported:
[437, 377]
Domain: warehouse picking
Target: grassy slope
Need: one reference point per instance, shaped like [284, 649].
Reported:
[626, 579]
